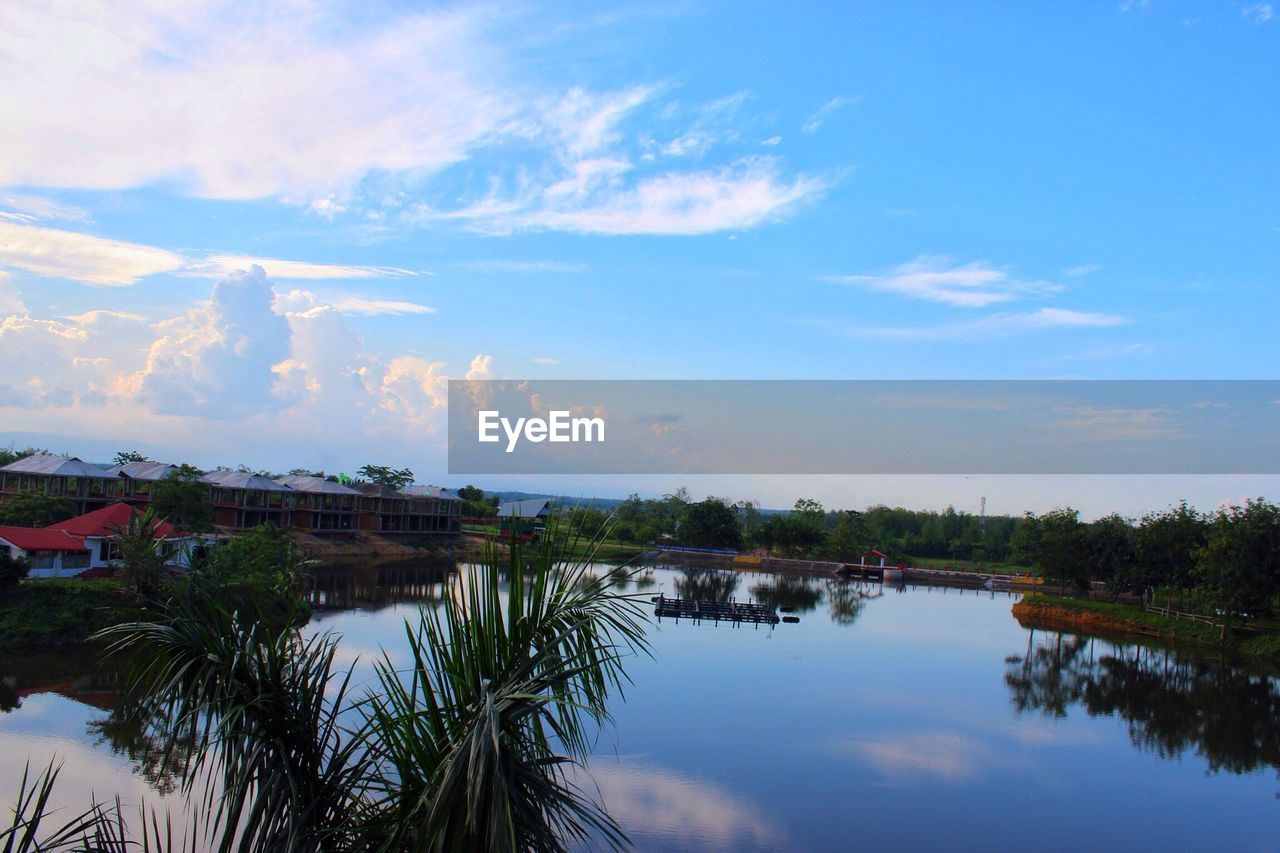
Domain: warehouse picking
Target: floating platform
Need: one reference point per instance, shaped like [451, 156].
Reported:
[716, 611]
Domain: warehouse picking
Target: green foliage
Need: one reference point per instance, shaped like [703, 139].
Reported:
[12, 571]
[475, 504]
[472, 747]
[1166, 544]
[1060, 548]
[124, 457]
[848, 538]
[1239, 564]
[264, 556]
[798, 533]
[61, 612]
[396, 478]
[1109, 548]
[35, 510]
[710, 523]
[142, 567]
[182, 499]
[12, 454]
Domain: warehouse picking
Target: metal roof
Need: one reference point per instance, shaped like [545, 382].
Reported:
[316, 484]
[431, 492]
[143, 470]
[244, 480]
[34, 539]
[61, 466]
[532, 508]
[106, 522]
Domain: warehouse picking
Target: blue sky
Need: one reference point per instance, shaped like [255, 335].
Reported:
[675, 190]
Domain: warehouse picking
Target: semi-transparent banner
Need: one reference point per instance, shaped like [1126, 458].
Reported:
[864, 427]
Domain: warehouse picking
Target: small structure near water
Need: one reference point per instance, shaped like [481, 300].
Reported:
[697, 610]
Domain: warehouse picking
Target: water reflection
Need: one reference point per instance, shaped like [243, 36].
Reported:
[707, 584]
[789, 593]
[372, 586]
[1171, 703]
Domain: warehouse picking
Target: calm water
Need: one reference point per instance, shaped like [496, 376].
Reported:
[910, 719]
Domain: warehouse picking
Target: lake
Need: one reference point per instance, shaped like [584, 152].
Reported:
[908, 718]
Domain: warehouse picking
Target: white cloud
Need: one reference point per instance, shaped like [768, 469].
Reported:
[218, 361]
[10, 298]
[771, 141]
[1081, 270]
[234, 100]
[523, 266]
[1258, 13]
[1131, 5]
[83, 257]
[481, 367]
[30, 208]
[367, 306]
[819, 118]
[742, 195]
[219, 265]
[999, 325]
[937, 279]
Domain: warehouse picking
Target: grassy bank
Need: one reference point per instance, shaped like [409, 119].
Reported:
[1105, 617]
[61, 612]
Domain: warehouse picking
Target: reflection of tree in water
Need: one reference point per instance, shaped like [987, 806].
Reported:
[645, 580]
[8, 696]
[1171, 704]
[157, 754]
[707, 584]
[845, 600]
[373, 586]
[797, 592]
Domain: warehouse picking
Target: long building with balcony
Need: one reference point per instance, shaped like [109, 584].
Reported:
[243, 500]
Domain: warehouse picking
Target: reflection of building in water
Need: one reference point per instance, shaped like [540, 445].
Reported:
[375, 585]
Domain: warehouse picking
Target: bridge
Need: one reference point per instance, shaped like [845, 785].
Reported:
[697, 610]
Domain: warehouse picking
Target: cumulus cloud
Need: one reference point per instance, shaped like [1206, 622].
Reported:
[481, 368]
[82, 257]
[937, 279]
[218, 361]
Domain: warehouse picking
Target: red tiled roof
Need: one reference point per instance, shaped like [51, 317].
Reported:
[36, 539]
[874, 551]
[105, 522]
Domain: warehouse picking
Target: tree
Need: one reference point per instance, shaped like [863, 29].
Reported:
[182, 499]
[1166, 544]
[12, 571]
[1060, 554]
[124, 457]
[135, 542]
[396, 478]
[12, 454]
[36, 510]
[475, 504]
[1109, 543]
[848, 538]
[1239, 564]
[710, 523]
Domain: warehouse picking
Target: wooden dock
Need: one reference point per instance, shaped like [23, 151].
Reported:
[733, 611]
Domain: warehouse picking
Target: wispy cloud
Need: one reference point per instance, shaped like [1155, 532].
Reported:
[1081, 270]
[938, 279]
[10, 299]
[523, 266]
[1134, 5]
[544, 359]
[367, 306]
[745, 194]
[998, 325]
[21, 208]
[219, 265]
[824, 112]
[1258, 13]
[82, 257]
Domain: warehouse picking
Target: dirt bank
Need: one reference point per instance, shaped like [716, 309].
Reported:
[1033, 613]
[361, 544]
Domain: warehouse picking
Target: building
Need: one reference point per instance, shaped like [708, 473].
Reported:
[87, 486]
[68, 548]
[52, 553]
[243, 500]
[524, 517]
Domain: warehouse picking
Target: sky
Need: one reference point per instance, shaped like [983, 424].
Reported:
[234, 233]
